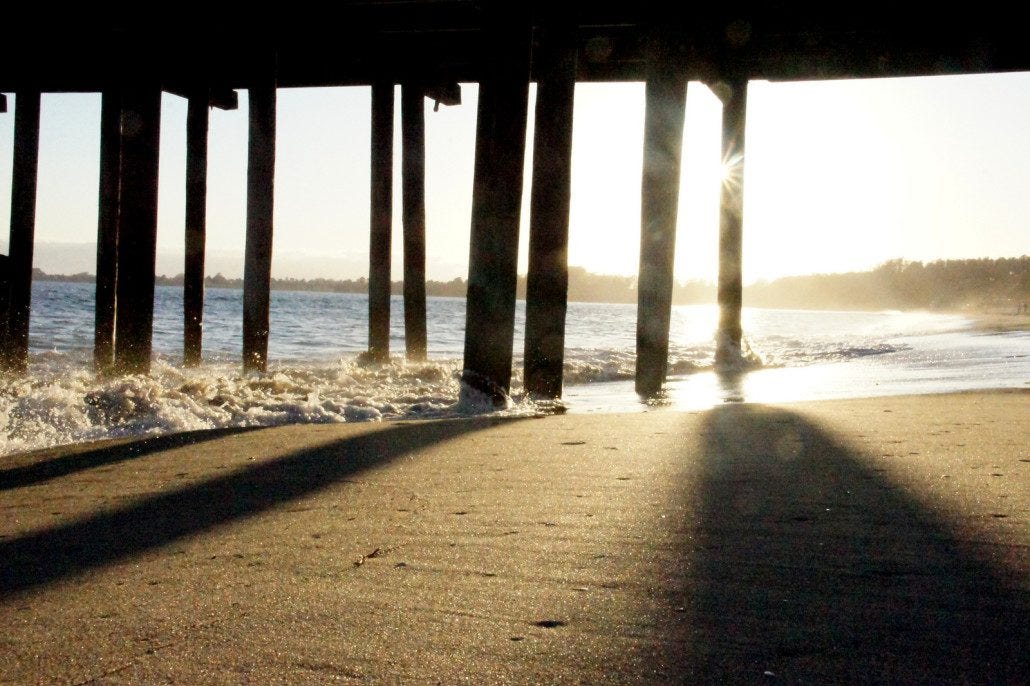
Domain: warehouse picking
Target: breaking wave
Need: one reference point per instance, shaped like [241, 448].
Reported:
[315, 376]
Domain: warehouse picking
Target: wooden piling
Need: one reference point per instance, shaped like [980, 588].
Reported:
[381, 223]
[5, 295]
[196, 226]
[731, 219]
[663, 139]
[107, 229]
[137, 229]
[15, 354]
[496, 204]
[257, 268]
[413, 170]
[548, 277]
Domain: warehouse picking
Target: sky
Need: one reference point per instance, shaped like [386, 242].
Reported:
[839, 176]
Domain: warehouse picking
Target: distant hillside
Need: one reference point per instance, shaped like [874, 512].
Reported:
[991, 284]
[982, 284]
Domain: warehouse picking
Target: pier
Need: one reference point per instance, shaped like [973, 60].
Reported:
[862, 541]
[429, 49]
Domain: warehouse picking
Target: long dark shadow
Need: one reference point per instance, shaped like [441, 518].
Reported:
[808, 565]
[42, 467]
[47, 556]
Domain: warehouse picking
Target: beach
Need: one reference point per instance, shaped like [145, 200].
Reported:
[862, 540]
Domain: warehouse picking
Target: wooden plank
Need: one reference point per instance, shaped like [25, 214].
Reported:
[196, 227]
[23, 227]
[496, 205]
[731, 220]
[381, 223]
[219, 98]
[444, 93]
[548, 277]
[5, 298]
[107, 229]
[137, 229]
[413, 126]
[257, 267]
[663, 140]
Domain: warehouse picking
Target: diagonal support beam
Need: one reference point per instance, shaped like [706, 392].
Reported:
[381, 227]
[665, 106]
[257, 265]
[137, 229]
[413, 126]
[731, 220]
[15, 353]
[107, 229]
[548, 278]
[196, 227]
[496, 205]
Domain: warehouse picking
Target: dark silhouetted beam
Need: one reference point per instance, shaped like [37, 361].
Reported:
[137, 229]
[196, 227]
[257, 267]
[223, 98]
[447, 93]
[731, 218]
[107, 229]
[15, 354]
[496, 203]
[413, 126]
[663, 140]
[3, 103]
[381, 217]
[548, 278]
[5, 297]
[219, 98]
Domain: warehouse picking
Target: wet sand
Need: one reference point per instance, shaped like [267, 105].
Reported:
[998, 322]
[876, 540]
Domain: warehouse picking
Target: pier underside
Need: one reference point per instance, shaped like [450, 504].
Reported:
[430, 47]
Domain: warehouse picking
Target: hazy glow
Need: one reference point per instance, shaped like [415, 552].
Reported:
[732, 171]
[839, 176]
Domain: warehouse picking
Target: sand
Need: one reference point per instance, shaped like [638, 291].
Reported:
[999, 322]
[878, 540]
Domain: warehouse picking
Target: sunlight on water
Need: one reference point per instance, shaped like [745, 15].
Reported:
[314, 376]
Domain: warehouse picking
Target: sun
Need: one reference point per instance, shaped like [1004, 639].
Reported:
[732, 171]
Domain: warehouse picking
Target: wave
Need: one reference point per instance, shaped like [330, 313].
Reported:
[63, 401]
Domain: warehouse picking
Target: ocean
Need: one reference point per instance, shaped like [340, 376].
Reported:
[314, 376]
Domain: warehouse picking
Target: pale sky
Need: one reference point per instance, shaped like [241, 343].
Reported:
[839, 176]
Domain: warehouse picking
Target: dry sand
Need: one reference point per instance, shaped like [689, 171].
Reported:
[879, 540]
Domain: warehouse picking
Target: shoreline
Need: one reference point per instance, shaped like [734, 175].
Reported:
[998, 322]
[59, 408]
[185, 437]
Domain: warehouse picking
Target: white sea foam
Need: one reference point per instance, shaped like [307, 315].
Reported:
[315, 376]
[63, 403]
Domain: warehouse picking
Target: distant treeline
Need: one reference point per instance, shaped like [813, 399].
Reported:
[982, 284]
[897, 284]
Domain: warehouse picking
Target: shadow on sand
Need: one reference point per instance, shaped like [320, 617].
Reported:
[806, 564]
[41, 558]
[39, 465]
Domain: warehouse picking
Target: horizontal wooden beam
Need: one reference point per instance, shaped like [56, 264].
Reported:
[793, 42]
[447, 93]
[407, 42]
[224, 99]
[219, 98]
